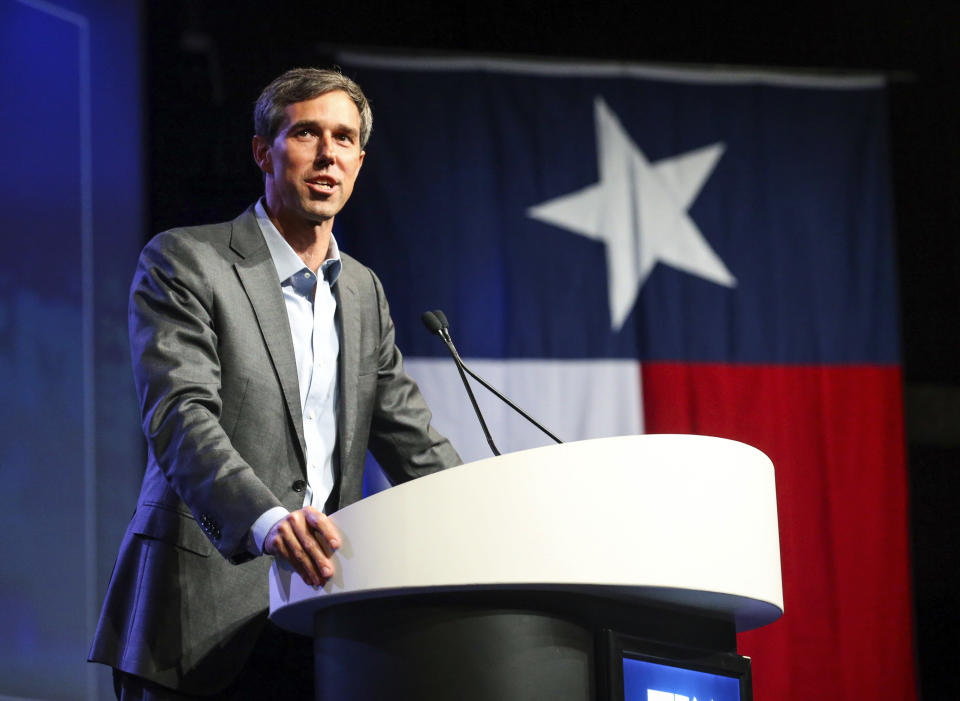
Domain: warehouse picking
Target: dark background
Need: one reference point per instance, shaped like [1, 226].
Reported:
[205, 63]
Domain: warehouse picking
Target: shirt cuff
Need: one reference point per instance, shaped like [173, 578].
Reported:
[258, 531]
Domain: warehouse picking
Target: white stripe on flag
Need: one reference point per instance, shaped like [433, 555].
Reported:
[722, 75]
[575, 399]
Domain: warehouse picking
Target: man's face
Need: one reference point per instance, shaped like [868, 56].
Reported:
[314, 160]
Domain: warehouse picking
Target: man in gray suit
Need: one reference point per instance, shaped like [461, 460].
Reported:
[265, 364]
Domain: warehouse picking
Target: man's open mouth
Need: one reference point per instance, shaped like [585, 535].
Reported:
[322, 184]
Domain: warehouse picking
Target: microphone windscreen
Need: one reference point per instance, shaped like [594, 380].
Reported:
[442, 318]
[431, 321]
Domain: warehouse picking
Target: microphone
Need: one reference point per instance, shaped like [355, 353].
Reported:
[436, 322]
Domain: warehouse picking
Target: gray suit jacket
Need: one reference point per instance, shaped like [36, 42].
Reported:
[216, 377]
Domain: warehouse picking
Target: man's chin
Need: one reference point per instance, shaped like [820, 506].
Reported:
[320, 214]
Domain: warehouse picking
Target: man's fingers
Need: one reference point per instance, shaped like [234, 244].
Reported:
[304, 553]
[302, 540]
[320, 523]
[307, 541]
[303, 565]
[323, 544]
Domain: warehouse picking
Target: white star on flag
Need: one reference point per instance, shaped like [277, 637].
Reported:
[640, 211]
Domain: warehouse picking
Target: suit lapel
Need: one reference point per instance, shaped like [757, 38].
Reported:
[348, 322]
[258, 275]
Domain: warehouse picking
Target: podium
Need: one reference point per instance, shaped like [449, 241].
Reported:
[529, 575]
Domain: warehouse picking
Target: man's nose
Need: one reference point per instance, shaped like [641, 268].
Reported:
[325, 147]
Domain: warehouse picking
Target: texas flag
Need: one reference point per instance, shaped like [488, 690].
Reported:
[625, 249]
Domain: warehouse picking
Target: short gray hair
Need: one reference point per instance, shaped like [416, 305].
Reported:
[299, 84]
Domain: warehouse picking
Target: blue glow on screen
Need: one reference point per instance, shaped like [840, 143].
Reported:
[648, 681]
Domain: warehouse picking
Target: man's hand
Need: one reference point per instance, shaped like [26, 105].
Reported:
[306, 539]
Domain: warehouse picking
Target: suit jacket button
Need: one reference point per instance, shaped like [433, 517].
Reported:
[299, 485]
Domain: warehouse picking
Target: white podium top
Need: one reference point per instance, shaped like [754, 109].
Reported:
[674, 519]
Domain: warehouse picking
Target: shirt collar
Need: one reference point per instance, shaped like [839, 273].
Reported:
[285, 259]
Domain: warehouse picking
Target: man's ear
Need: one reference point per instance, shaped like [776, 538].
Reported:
[261, 154]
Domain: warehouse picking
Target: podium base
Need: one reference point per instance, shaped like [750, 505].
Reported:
[519, 646]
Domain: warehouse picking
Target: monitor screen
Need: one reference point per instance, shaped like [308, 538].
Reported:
[646, 670]
[651, 681]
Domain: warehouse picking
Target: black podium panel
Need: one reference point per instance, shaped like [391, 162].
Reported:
[395, 650]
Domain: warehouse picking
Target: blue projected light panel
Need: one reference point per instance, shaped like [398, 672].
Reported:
[648, 681]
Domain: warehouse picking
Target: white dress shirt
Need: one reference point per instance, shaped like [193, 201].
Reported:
[308, 297]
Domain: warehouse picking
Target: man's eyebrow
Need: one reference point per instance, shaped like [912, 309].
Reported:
[315, 126]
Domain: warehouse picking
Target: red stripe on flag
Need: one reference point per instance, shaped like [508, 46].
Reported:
[836, 438]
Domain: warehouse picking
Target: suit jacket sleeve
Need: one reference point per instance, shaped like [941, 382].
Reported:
[402, 438]
[178, 377]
